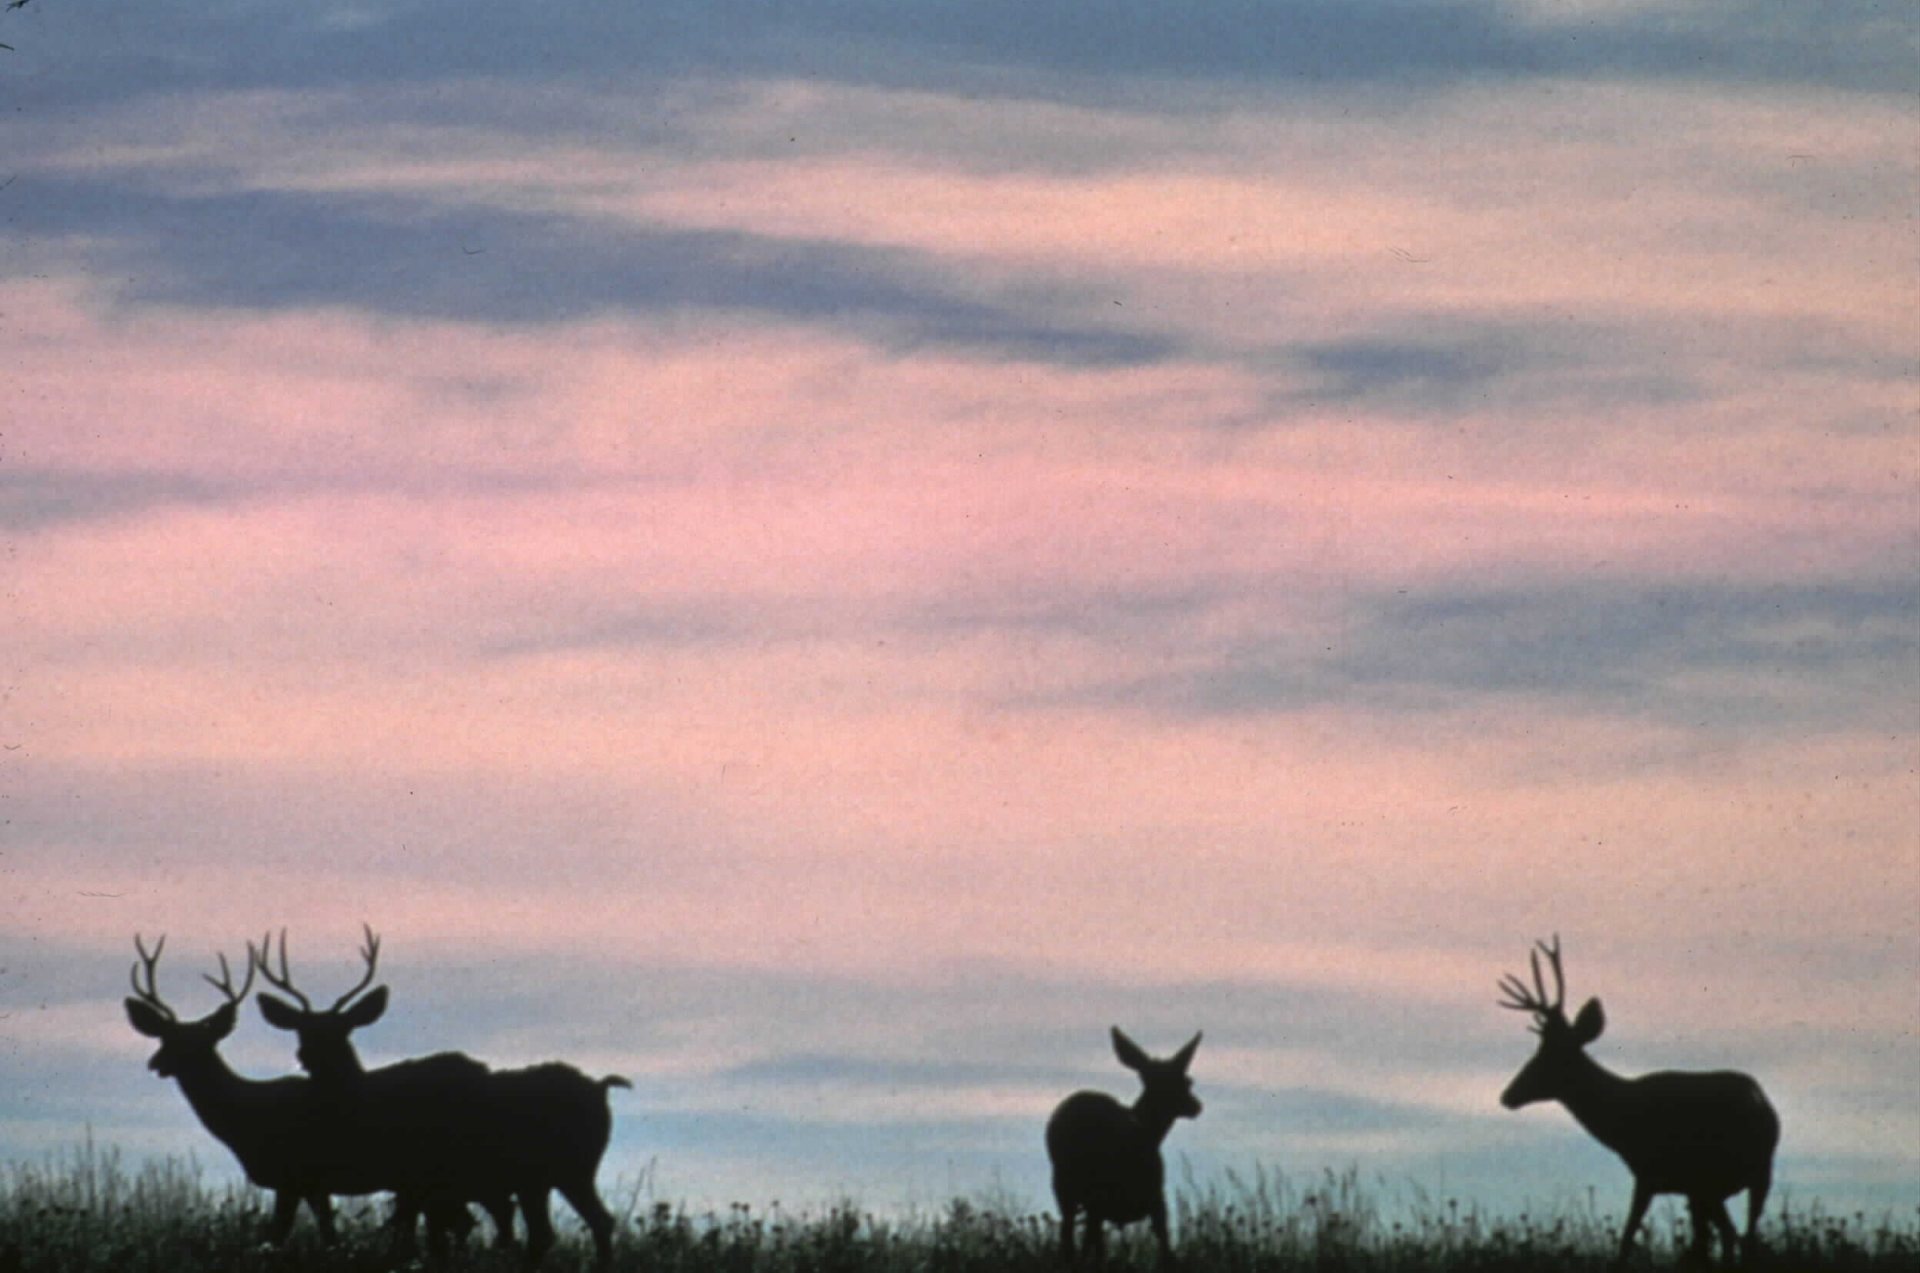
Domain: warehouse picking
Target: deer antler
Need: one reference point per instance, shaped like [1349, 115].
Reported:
[1521, 999]
[224, 983]
[370, 953]
[1559, 978]
[149, 994]
[282, 981]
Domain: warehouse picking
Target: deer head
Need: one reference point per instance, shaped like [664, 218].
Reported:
[1167, 1092]
[183, 1044]
[1562, 1043]
[325, 1051]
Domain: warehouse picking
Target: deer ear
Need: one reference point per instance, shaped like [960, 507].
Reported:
[1129, 1052]
[1588, 1025]
[221, 1022]
[146, 1019]
[1184, 1057]
[367, 1010]
[278, 1012]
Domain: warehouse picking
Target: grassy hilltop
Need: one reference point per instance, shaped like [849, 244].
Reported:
[87, 1211]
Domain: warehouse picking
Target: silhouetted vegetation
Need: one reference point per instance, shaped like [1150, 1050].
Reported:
[88, 1210]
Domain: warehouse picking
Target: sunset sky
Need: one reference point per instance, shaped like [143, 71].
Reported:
[818, 556]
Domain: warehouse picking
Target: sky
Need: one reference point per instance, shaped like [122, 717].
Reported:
[818, 556]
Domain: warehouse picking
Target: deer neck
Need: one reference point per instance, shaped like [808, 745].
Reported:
[219, 1099]
[1600, 1100]
[1155, 1120]
[341, 1068]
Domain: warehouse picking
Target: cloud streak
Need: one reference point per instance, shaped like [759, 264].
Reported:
[1049, 47]
[1696, 655]
[262, 250]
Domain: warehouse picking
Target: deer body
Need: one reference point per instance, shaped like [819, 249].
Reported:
[454, 1122]
[1706, 1135]
[274, 1127]
[1106, 1156]
[382, 1129]
[1679, 1131]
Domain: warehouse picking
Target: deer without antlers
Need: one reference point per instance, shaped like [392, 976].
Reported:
[1705, 1135]
[518, 1133]
[1106, 1156]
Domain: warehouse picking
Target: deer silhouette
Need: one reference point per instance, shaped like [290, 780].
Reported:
[517, 1133]
[1106, 1156]
[270, 1125]
[1705, 1135]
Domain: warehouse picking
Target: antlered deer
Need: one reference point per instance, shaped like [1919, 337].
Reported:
[1705, 1135]
[270, 1125]
[1106, 1156]
[520, 1133]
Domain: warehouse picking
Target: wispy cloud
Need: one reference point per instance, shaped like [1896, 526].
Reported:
[1451, 366]
[32, 501]
[277, 252]
[1697, 654]
[1047, 48]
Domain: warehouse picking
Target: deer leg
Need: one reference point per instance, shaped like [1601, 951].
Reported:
[447, 1219]
[585, 1200]
[1158, 1219]
[1096, 1239]
[1067, 1217]
[500, 1210]
[437, 1246]
[1636, 1212]
[1756, 1200]
[405, 1221]
[1700, 1220]
[436, 1214]
[320, 1207]
[1729, 1236]
[533, 1209]
[286, 1205]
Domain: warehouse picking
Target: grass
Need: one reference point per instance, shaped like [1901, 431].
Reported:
[86, 1210]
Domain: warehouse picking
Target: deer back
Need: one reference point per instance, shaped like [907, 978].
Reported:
[550, 1118]
[1093, 1135]
[1682, 1129]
